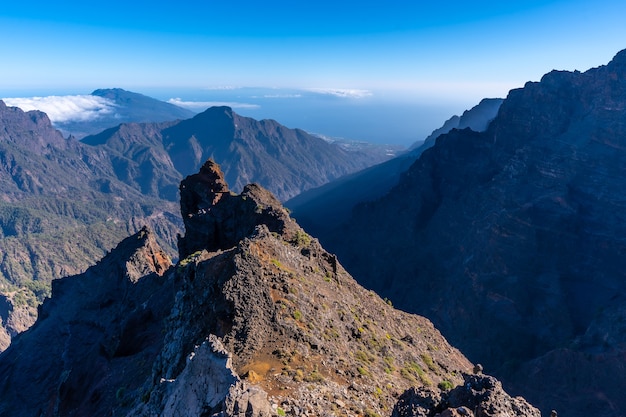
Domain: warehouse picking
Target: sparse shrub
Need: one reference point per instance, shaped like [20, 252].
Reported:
[302, 239]
[445, 385]
[428, 360]
[280, 412]
[297, 315]
[314, 376]
[299, 376]
[412, 369]
[191, 258]
[370, 413]
[363, 371]
[407, 374]
[364, 357]
[389, 368]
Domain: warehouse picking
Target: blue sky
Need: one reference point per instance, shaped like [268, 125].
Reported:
[447, 53]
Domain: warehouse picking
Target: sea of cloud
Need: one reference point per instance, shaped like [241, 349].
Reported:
[63, 109]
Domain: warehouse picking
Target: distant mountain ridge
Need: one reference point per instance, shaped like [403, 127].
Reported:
[512, 241]
[286, 161]
[129, 107]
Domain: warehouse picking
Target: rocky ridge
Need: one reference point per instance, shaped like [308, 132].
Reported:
[256, 319]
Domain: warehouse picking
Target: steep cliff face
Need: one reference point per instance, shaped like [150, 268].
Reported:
[257, 319]
[323, 209]
[511, 240]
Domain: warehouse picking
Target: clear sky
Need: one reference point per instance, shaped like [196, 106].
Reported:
[443, 50]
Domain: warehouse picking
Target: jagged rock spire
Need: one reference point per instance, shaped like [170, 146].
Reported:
[216, 219]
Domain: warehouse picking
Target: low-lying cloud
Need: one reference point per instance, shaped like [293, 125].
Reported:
[63, 109]
[203, 105]
[282, 96]
[342, 92]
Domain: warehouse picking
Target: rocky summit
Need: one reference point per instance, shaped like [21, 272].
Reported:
[256, 319]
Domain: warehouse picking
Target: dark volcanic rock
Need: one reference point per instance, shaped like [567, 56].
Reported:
[512, 240]
[216, 219]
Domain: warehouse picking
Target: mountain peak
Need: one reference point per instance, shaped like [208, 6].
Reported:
[217, 114]
[619, 60]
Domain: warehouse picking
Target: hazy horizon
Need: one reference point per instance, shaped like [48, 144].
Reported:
[360, 115]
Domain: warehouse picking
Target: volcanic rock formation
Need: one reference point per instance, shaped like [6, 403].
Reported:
[256, 319]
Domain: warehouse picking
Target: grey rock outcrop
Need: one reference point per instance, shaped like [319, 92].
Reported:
[207, 385]
[479, 396]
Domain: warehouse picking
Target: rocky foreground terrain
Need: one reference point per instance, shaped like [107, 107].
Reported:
[256, 319]
[512, 241]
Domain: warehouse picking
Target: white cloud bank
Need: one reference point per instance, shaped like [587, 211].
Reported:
[342, 92]
[203, 105]
[62, 109]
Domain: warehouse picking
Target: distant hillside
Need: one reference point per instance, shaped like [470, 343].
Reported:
[324, 208]
[285, 161]
[129, 108]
